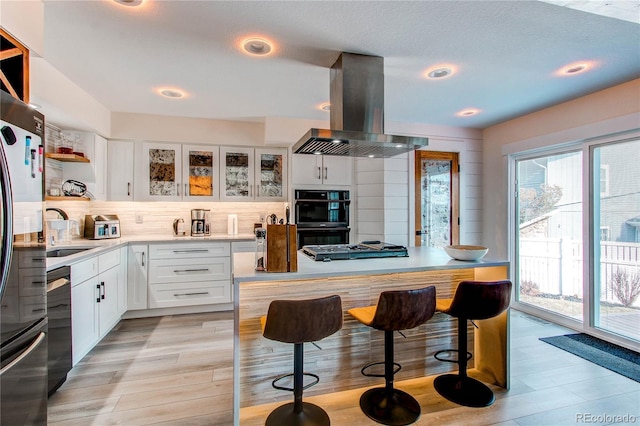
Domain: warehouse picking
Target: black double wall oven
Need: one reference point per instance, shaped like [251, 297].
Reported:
[322, 216]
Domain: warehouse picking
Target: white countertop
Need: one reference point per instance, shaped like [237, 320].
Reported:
[420, 259]
[98, 246]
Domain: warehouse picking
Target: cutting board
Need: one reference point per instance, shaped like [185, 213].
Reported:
[277, 248]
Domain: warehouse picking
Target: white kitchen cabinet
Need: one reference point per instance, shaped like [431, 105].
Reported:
[327, 170]
[122, 282]
[189, 274]
[258, 174]
[200, 176]
[94, 300]
[137, 261]
[120, 165]
[94, 173]
[176, 172]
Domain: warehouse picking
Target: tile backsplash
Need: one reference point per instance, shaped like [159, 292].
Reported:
[157, 217]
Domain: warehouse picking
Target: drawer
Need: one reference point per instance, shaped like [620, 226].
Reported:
[108, 260]
[189, 270]
[243, 246]
[29, 258]
[189, 294]
[188, 250]
[84, 270]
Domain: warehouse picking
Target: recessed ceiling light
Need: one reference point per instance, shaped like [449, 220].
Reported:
[371, 155]
[257, 46]
[575, 68]
[171, 93]
[325, 106]
[129, 2]
[317, 153]
[440, 71]
[468, 112]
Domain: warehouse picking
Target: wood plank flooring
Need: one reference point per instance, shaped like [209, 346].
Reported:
[177, 370]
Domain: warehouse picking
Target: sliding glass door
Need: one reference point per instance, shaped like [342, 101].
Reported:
[615, 183]
[577, 236]
[549, 233]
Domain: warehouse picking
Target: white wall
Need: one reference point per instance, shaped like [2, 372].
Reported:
[608, 111]
[385, 187]
[24, 20]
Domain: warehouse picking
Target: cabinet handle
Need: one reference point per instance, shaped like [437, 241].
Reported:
[128, 189]
[33, 311]
[319, 173]
[98, 298]
[185, 190]
[202, 293]
[325, 173]
[250, 190]
[178, 189]
[177, 271]
[104, 289]
[192, 251]
[142, 258]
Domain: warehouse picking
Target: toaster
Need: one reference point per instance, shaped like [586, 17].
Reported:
[97, 227]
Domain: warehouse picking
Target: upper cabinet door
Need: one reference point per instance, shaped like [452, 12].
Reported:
[158, 176]
[322, 170]
[120, 166]
[200, 175]
[271, 174]
[236, 173]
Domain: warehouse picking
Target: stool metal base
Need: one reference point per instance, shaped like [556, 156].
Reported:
[398, 409]
[311, 415]
[464, 390]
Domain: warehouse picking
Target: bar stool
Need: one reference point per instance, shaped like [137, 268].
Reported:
[395, 311]
[473, 300]
[297, 322]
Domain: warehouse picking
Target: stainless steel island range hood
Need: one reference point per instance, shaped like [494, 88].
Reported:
[357, 114]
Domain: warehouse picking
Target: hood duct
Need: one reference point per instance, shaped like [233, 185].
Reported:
[357, 114]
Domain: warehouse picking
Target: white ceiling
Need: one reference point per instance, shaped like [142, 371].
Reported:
[506, 53]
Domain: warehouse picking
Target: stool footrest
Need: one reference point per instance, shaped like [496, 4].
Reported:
[397, 368]
[448, 351]
[284, 376]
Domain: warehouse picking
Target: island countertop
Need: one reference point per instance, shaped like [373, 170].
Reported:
[419, 259]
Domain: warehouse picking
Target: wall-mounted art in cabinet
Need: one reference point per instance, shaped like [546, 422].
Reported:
[253, 174]
[175, 172]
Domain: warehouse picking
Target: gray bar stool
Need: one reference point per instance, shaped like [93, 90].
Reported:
[395, 311]
[473, 300]
[297, 322]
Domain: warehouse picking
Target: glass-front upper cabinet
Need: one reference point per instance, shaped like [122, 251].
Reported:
[271, 174]
[176, 172]
[200, 172]
[253, 174]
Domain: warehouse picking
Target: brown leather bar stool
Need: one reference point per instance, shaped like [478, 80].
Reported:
[395, 311]
[473, 300]
[297, 322]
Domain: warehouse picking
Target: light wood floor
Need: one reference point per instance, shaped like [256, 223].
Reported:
[177, 370]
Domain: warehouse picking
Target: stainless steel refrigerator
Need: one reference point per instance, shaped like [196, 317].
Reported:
[23, 288]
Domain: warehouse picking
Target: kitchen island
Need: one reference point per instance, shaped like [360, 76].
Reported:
[359, 282]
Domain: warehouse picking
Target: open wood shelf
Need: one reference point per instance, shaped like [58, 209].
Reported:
[63, 198]
[69, 158]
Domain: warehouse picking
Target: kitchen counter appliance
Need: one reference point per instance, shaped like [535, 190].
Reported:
[102, 226]
[23, 290]
[59, 311]
[200, 223]
[322, 217]
[364, 250]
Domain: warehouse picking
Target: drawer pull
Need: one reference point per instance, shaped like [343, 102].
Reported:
[178, 271]
[192, 251]
[38, 310]
[202, 293]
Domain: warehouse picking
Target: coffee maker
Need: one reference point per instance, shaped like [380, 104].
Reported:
[200, 223]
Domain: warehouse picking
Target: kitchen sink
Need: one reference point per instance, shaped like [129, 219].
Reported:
[64, 252]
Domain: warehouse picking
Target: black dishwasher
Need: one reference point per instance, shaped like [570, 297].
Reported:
[59, 311]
